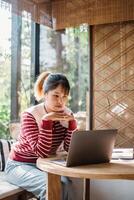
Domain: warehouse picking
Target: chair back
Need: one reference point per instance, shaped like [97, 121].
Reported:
[14, 129]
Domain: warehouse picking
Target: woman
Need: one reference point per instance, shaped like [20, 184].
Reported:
[44, 127]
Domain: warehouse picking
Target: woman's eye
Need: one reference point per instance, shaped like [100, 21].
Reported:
[56, 95]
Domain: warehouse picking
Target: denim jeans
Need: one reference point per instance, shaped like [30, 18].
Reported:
[32, 179]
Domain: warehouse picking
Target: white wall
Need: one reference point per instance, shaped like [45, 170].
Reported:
[112, 190]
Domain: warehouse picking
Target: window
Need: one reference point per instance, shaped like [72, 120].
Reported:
[66, 51]
[16, 52]
[5, 66]
[63, 51]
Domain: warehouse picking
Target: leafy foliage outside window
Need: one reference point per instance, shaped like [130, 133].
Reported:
[23, 94]
[26, 79]
[5, 64]
[4, 120]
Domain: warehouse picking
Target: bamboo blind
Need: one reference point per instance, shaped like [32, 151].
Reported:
[60, 14]
[66, 13]
[114, 80]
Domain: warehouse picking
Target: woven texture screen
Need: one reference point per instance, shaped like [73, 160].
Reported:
[66, 13]
[114, 80]
[60, 14]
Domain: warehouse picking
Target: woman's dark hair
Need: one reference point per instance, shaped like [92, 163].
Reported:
[49, 81]
[54, 80]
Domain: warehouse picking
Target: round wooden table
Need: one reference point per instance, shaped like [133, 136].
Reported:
[118, 169]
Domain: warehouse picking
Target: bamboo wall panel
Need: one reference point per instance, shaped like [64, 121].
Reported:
[66, 13]
[114, 80]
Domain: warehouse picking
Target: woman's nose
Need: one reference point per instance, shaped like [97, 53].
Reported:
[60, 100]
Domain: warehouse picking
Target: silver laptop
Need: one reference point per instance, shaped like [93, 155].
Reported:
[89, 147]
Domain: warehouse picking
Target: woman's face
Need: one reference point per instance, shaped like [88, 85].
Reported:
[55, 100]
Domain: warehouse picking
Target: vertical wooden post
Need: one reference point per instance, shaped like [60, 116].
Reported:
[53, 187]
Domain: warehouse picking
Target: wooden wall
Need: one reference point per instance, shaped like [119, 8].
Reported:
[113, 59]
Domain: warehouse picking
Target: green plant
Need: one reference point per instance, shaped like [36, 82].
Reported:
[4, 121]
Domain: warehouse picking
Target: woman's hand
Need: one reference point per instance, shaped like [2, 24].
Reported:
[58, 116]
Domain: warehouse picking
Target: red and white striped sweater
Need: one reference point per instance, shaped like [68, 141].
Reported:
[40, 138]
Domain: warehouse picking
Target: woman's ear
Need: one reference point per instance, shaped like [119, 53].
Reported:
[45, 96]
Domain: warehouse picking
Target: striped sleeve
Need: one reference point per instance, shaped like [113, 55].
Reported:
[71, 128]
[39, 139]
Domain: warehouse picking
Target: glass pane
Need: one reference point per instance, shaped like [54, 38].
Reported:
[21, 64]
[67, 52]
[5, 64]
[24, 96]
[15, 65]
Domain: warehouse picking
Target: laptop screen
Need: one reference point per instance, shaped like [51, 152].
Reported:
[90, 147]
